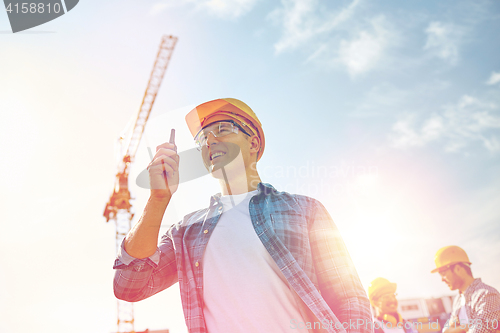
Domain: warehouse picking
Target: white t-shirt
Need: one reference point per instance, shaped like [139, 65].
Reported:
[462, 315]
[243, 288]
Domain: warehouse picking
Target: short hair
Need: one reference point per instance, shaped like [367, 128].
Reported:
[465, 267]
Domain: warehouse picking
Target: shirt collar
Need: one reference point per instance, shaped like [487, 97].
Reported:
[472, 286]
[264, 189]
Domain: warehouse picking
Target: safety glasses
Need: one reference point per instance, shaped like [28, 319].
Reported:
[218, 129]
[388, 296]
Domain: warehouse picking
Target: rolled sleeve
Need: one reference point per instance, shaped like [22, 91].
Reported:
[125, 260]
[137, 279]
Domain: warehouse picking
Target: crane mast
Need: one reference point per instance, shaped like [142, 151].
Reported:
[119, 207]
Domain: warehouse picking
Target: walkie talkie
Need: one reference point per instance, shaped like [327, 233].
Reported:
[172, 137]
[172, 141]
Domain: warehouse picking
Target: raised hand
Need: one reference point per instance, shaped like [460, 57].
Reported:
[164, 172]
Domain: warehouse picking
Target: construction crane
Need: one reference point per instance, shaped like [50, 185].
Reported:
[119, 207]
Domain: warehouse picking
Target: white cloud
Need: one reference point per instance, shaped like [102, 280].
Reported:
[304, 19]
[363, 52]
[159, 7]
[469, 120]
[443, 41]
[407, 136]
[494, 78]
[332, 37]
[386, 99]
[229, 9]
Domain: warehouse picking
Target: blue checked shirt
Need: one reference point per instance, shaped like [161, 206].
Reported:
[298, 233]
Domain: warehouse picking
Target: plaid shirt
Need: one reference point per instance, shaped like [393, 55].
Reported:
[298, 233]
[482, 305]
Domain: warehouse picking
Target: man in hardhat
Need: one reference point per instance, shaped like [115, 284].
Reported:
[476, 308]
[382, 295]
[255, 260]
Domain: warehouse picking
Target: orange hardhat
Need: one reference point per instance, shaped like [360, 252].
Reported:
[229, 108]
[379, 287]
[449, 255]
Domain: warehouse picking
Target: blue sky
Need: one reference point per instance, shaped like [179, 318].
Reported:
[387, 112]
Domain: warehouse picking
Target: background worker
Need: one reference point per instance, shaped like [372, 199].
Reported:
[476, 308]
[382, 294]
[255, 260]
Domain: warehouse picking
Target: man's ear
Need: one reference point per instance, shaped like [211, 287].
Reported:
[254, 143]
[458, 270]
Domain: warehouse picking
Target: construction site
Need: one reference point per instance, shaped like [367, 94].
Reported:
[428, 315]
[379, 118]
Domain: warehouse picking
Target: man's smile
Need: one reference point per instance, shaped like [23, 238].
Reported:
[216, 154]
